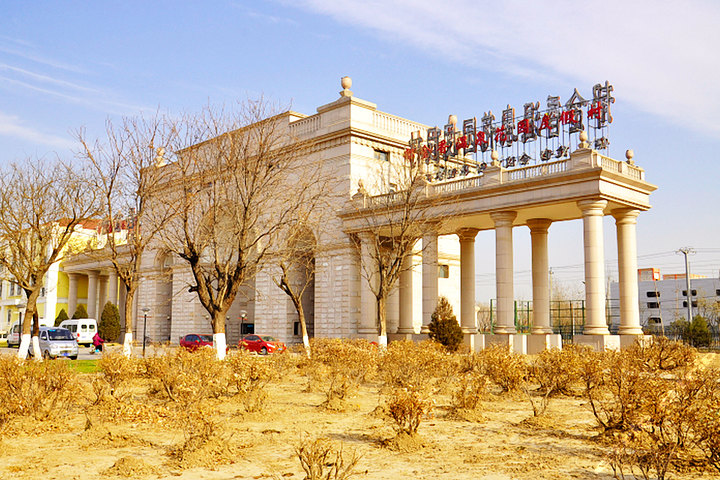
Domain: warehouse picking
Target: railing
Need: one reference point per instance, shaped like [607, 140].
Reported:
[305, 126]
[457, 185]
[536, 170]
[395, 125]
[620, 167]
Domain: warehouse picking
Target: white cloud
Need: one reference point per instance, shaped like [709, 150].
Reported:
[658, 53]
[13, 126]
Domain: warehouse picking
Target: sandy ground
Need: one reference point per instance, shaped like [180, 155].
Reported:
[500, 447]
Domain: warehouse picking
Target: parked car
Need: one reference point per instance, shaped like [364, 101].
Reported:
[84, 329]
[193, 341]
[262, 344]
[57, 342]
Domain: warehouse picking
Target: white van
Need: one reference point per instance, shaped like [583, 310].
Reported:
[84, 329]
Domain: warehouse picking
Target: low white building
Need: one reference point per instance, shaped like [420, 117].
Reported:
[664, 299]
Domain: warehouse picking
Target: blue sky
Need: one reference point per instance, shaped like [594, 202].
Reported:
[66, 65]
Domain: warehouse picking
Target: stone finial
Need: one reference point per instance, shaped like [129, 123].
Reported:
[160, 159]
[495, 156]
[583, 140]
[629, 154]
[346, 83]
[452, 120]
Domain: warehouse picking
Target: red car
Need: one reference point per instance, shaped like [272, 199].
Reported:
[262, 344]
[193, 341]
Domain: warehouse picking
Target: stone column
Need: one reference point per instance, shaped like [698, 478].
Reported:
[113, 288]
[102, 294]
[72, 293]
[468, 320]
[429, 277]
[368, 276]
[504, 271]
[406, 297]
[92, 294]
[625, 221]
[592, 215]
[540, 275]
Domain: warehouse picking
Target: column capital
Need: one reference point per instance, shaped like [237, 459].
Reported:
[539, 225]
[93, 274]
[365, 237]
[625, 216]
[467, 234]
[503, 218]
[73, 275]
[592, 207]
[430, 228]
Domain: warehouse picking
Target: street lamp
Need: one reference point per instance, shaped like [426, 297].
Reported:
[145, 311]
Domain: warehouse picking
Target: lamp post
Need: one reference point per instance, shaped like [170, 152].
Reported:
[145, 311]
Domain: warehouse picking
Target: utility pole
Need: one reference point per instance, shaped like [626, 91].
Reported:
[686, 251]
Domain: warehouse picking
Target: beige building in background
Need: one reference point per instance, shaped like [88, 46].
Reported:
[356, 142]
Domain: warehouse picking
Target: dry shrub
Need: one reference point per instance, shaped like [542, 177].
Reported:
[42, 390]
[186, 378]
[415, 366]
[407, 408]
[205, 443]
[508, 370]
[470, 389]
[555, 372]
[116, 374]
[250, 374]
[321, 459]
[662, 408]
[661, 353]
[343, 365]
[131, 467]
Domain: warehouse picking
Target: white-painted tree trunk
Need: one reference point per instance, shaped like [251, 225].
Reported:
[220, 345]
[127, 344]
[37, 354]
[306, 344]
[24, 346]
[382, 341]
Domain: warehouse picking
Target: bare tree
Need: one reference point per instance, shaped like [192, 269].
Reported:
[239, 180]
[129, 171]
[42, 203]
[392, 222]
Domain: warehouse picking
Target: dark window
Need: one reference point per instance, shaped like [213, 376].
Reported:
[717, 292]
[654, 321]
[248, 328]
[443, 271]
[653, 304]
[694, 303]
[653, 294]
[382, 156]
[694, 293]
[296, 328]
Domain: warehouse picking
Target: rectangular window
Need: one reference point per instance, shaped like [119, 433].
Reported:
[653, 294]
[694, 293]
[694, 303]
[443, 271]
[296, 328]
[381, 156]
[653, 304]
[717, 292]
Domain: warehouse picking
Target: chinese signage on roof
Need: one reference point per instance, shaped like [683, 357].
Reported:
[539, 134]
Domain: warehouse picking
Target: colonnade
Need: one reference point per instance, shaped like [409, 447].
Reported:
[101, 288]
[596, 331]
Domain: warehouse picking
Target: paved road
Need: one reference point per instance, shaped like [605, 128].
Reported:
[84, 353]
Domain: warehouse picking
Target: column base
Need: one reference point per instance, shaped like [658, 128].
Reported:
[397, 337]
[469, 339]
[425, 329]
[598, 342]
[516, 342]
[537, 342]
[627, 341]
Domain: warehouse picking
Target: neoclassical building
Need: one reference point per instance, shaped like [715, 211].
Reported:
[356, 142]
